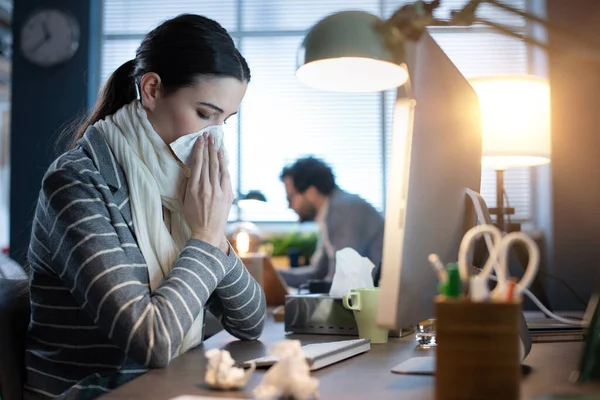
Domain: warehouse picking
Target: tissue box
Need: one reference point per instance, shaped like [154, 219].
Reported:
[322, 314]
[318, 313]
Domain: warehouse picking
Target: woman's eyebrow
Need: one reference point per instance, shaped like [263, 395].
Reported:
[218, 109]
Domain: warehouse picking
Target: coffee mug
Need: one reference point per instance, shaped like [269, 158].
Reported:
[364, 303]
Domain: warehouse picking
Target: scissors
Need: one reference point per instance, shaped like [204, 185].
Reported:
[499, 249]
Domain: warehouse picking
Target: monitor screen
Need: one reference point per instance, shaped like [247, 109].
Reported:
[435, 157]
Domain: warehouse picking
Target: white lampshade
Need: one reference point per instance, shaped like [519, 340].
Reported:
[515, 116]
[344, 52]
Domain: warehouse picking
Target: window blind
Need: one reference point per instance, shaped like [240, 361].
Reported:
[281, 120]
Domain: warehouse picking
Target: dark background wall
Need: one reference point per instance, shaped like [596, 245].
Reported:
[43, 100]
[575, 86]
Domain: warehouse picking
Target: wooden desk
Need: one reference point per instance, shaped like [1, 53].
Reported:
[366, 376]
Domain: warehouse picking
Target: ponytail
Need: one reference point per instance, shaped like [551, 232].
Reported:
[117, 92]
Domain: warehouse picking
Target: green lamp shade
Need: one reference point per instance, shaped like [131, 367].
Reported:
[345, 53]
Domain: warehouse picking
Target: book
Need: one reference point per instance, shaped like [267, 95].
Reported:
[320, 355]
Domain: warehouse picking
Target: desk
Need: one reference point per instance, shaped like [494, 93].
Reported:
[366, 376]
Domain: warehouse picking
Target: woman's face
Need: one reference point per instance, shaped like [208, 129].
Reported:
[193, 108]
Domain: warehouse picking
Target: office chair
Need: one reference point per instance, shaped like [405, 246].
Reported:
[14, 319]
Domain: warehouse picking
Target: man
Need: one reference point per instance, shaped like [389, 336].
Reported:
[344, 219]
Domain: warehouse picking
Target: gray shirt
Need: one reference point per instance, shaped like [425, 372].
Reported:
[95, 323]
[350, 222]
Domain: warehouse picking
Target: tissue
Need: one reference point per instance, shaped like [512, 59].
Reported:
[289, 377]
[221, 373]
[352, 271]
[182, 147]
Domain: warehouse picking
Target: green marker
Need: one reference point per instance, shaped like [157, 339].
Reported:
[453, 286]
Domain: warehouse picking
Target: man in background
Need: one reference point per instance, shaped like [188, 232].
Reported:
[344, 219]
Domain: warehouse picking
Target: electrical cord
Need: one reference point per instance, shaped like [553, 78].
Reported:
[542, 307]
[566, 285]
[479, 205]
[560, 280]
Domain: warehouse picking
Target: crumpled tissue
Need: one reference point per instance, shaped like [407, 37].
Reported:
[289, 377]
[183, 147]
[221, 372]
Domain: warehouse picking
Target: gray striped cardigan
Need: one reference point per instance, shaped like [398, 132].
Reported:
[95, 324]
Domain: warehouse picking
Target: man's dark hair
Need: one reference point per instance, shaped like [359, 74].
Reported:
[310, 171]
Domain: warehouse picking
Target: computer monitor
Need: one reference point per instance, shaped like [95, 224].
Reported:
[435, 156]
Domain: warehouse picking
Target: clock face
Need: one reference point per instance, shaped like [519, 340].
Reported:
[49, 37]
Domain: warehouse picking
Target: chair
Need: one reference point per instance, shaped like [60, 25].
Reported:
[14, 319]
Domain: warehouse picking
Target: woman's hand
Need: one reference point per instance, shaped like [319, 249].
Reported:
[208, 195]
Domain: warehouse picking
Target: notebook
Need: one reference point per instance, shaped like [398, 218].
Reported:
[416, 366]
[320, 355]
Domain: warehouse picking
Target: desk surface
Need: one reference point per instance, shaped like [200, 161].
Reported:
[362, 377]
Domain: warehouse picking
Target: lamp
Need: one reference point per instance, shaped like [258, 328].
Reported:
[252, 197]
[515, 117]
[354, 51]
[345, 53]
[245, 236]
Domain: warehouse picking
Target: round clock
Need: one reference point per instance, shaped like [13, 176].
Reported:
[49, 37]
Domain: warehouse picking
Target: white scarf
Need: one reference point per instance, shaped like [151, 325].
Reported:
[156, 181]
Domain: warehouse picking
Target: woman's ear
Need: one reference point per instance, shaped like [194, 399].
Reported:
[150, 85]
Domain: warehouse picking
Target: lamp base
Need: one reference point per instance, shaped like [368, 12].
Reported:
[500, 211]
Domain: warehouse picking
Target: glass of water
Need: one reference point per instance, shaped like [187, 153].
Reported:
[425, 334]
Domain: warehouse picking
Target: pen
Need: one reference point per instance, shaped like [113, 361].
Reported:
[439, 268]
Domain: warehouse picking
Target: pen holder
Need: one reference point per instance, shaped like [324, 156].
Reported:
[478, 349]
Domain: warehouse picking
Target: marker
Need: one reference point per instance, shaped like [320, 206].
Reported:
[453, 286]
[510, 291]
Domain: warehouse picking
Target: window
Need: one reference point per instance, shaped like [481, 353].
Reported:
[281, 120]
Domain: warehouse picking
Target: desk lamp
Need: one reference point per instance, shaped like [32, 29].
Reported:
[245, 232]
[354, 51]
[515, 117]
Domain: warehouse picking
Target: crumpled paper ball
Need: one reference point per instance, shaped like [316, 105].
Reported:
[221, 372]
[289, 377]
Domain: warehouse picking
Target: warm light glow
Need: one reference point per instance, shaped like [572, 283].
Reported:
[515, 116]
[242, 242]
[352, 75]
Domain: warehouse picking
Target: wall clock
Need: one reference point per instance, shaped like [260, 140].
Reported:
[49, 37]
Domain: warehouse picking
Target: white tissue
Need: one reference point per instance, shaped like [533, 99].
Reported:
[289, 377]
[192, 397]
[352, 271]
[221, 373]
[183, 146]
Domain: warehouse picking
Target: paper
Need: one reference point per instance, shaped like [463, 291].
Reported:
[221, 372]
[352, 271]
[289, 377]
[191, 397]
[183, 146]
[416, 366]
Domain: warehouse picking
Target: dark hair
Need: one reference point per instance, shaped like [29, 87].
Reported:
[180, 50]
[310, 171]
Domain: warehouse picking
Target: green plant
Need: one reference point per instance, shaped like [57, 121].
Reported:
[304, 242]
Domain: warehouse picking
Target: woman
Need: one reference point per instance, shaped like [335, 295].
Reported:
[126, 252]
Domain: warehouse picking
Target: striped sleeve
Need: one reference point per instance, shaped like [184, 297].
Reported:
[239, 303]
[87, 255]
